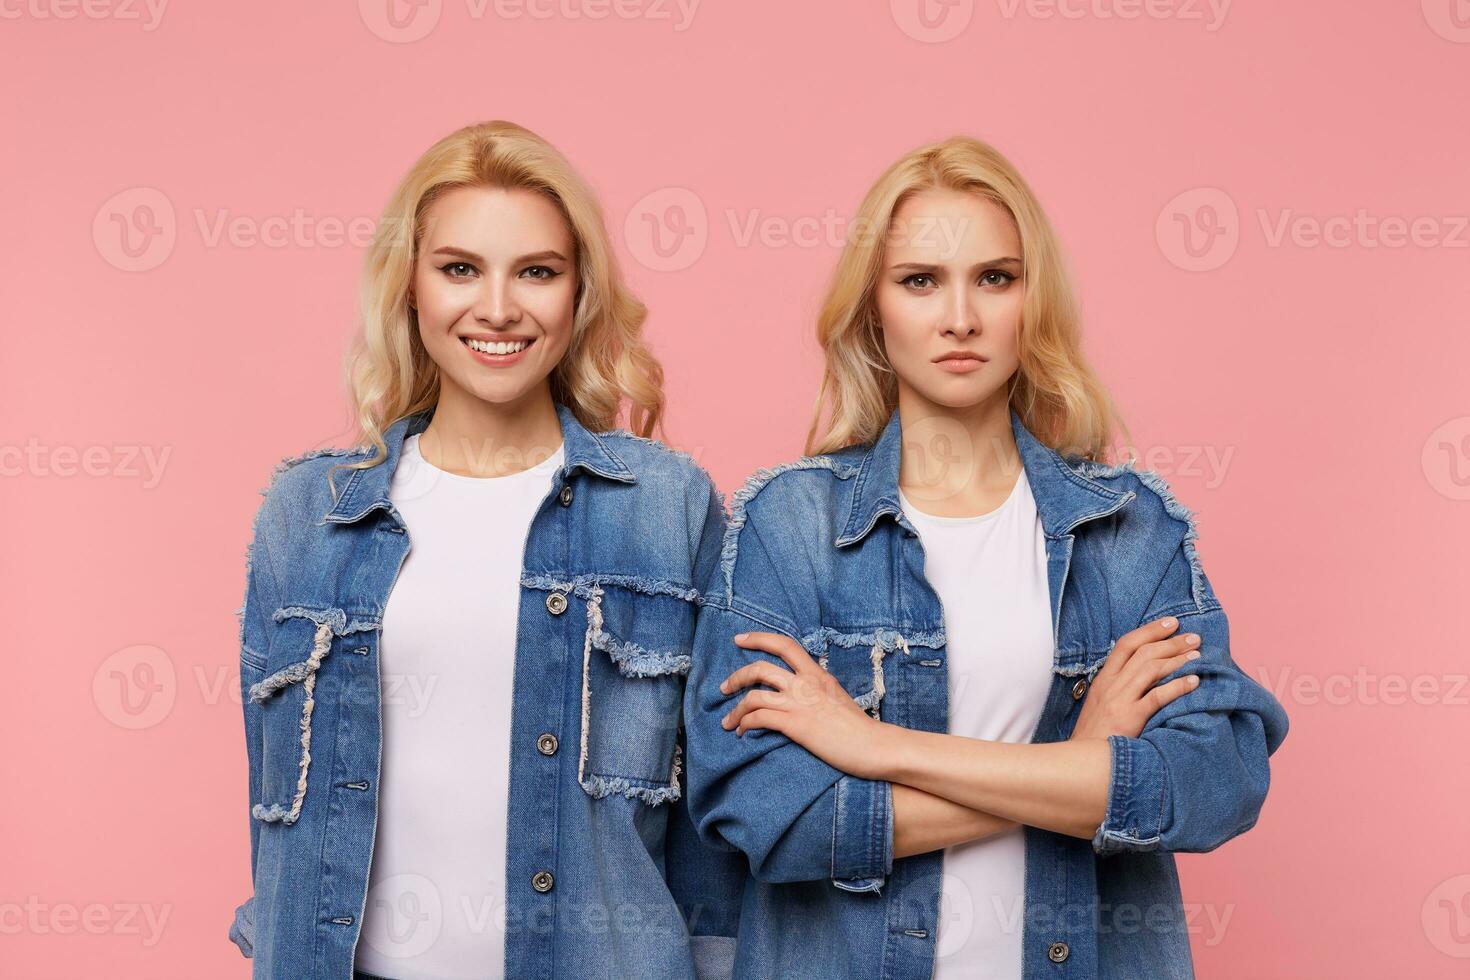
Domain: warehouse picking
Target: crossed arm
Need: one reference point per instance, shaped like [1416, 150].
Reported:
[948, 789]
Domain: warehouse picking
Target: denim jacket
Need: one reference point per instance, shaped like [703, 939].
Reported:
[605, 874]
[807, 553]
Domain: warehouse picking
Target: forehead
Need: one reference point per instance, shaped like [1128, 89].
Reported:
[496, 220]
[951, 225]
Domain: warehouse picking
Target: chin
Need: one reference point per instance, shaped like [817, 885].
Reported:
[507, 390]
[959, 396]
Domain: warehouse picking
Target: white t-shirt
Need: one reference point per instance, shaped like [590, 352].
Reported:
[436, 894]
[990, 574]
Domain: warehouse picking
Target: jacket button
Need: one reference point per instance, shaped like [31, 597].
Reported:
[1079, 689]
[542, 881]
[546, 744]
[1057, 952]
[566, 495]
[556, 603]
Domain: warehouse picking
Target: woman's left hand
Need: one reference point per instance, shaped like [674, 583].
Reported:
[805, 703]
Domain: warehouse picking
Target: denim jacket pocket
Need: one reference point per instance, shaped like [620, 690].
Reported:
[290, 693]
[635, 656]
[857, 659]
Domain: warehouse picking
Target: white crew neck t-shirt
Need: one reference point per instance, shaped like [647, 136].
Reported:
[990, 574]
[436, 893]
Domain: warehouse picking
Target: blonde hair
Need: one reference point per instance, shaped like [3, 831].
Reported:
[389, 373]
[1056, 394]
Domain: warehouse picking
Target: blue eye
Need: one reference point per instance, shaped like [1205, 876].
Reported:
[542, 272]
[455, 265]
[1005, 277]
[912, 281]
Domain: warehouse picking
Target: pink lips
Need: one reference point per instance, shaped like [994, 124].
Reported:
[497, 360]
[960, 363]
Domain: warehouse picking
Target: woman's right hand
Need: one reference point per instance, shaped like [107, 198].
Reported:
[1122, 696]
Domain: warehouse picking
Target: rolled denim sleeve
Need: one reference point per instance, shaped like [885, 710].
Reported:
[795, 817]
[862, 833]
[1198, 773]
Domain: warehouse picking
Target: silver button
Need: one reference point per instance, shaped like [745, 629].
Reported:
[1079, 689]
[566, 495]
[556, 603]
[1057, 952]
[546, 744]
[542, 881]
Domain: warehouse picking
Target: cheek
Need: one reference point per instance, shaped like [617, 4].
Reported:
[1005, 323]
[432, 299]
[554, 306]
[903, 323]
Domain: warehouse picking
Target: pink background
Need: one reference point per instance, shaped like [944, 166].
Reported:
[1304, 393]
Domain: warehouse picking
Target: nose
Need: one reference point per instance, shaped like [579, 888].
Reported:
[496, 305]
[961, 321]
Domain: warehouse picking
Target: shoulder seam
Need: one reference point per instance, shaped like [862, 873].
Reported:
[675, 453]
[729, 547]
[291, 462]
[657, 443]
[1172, 507]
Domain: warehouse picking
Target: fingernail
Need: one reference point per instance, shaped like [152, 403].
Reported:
[723, 688]
[1169, 622]
[1193, 680]
[741, 636]
[1191, 638]
[725, 722]
[1193, 655]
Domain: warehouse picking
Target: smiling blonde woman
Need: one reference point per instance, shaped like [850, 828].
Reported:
[464, 641]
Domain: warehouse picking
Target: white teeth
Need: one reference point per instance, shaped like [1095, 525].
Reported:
[503, 347]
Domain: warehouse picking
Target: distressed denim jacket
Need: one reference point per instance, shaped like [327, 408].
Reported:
[808, 553]
[605, 874]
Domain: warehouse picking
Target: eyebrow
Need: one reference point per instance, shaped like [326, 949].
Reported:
[465, 253]
[926, 266]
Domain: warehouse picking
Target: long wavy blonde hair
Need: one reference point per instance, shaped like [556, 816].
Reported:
[1056, 394]
[390, 374]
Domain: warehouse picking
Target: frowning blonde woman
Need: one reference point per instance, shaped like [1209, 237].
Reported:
[961, 687]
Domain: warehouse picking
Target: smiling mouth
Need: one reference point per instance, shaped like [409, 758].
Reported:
[500, 348]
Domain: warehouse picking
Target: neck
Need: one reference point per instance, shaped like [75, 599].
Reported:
[470, 436]
[964, 457]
